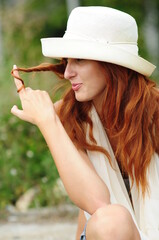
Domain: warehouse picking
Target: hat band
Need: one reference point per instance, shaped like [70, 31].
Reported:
[127, 46]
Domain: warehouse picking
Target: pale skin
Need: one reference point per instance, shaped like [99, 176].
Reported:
[84, 187]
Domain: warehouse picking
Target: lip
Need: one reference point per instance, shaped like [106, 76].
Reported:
[76, 86]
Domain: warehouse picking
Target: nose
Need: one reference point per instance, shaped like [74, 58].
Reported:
[69, 70]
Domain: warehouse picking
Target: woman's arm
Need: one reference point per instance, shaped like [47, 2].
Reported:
[84, 186]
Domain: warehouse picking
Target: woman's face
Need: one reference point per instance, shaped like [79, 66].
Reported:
[88, 79]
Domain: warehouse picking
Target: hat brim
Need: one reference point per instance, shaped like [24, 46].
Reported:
[71, 48]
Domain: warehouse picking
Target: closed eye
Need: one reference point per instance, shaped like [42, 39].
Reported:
[79, 59]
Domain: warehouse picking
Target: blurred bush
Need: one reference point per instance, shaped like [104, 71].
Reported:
[24, 162]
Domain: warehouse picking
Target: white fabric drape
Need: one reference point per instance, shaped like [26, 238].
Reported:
[146, 212]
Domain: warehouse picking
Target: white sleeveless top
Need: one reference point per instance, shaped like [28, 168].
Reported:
[146, 212]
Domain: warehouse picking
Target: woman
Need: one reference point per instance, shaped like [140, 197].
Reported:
[107, 124]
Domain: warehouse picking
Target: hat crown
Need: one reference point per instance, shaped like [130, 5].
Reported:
[100, 34]
[101, 24]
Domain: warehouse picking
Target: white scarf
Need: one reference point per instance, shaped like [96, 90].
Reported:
[146, 212]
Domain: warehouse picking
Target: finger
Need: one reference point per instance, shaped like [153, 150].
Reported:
[19, 89]
[28, 89]
[19, 84]
[18, 113]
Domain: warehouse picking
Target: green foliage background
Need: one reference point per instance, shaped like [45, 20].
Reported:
[25, 161]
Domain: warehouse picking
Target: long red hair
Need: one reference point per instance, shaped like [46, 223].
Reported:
[130, 116]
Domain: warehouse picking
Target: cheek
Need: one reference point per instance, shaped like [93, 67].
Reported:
[98, 85]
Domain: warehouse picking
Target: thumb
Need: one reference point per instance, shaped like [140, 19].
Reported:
[17, 112]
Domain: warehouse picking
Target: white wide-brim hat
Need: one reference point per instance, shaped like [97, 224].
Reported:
[99, 33]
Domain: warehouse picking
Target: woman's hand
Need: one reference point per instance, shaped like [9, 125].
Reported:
[37, 107]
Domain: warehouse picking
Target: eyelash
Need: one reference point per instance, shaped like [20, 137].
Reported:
[76, 59]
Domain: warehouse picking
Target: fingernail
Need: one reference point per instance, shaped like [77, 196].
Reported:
[14, 66]
[13, 107]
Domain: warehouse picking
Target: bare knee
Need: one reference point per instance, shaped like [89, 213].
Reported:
[112, 222]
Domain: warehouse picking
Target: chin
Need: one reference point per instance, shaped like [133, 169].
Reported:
[83, 99]
[80, 100]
